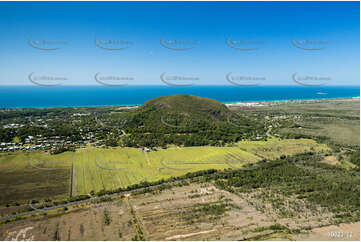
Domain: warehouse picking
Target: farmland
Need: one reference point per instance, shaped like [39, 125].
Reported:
[295, 177]
[96, 169]
[36, 175]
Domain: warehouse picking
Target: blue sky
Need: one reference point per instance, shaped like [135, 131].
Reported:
[268, 26]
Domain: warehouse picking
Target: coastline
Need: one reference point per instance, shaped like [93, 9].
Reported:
[228, 104]
[267, 102]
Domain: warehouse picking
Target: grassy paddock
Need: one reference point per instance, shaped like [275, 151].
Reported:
[38, 175]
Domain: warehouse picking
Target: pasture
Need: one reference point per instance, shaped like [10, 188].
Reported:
[38, 175]
[274, 148]
[35, 175]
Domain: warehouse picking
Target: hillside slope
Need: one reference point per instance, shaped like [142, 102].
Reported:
[187, 120]
[187, 106]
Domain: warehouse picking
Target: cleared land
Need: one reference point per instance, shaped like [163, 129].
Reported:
[337, 120]
[38, 175]
[301, 198]
[98, 169]
[194, 212]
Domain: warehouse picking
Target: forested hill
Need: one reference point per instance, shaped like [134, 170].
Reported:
[187, 106]
[188, 120]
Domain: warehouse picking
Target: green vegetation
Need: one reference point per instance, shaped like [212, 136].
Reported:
[201, 212]
[303, 176]
[189, 121]
[107, 219]
[302, 161]
[355, 157]
[98, 169]
[275, 227]
[36, 175]
[334, 122]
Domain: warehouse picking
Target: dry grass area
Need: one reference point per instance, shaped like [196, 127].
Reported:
[88, 223]
[331, 160]
[193, 212]
[348, 232]
[338, 120]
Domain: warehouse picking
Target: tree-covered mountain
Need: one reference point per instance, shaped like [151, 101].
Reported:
[187, 120]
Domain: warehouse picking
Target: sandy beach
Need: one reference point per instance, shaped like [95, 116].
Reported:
[268, 103]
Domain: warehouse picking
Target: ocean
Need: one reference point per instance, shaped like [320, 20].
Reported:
[86, 96]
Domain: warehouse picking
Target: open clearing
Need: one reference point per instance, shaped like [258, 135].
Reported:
[38, 175]
[35, 175]
[338, 120]
[192, 212]
[111, 168]
[339, 232]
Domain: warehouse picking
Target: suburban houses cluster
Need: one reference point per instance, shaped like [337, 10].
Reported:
[41, 143]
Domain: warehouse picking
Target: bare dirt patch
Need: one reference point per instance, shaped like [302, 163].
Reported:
[334, 233]
[191, 212]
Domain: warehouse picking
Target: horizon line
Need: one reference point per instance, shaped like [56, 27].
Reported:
[159, 85]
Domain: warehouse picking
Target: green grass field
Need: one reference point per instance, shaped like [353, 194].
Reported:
[274, 148]
[344, 132]
[101, 168]
[35, 175]
[38, 175]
